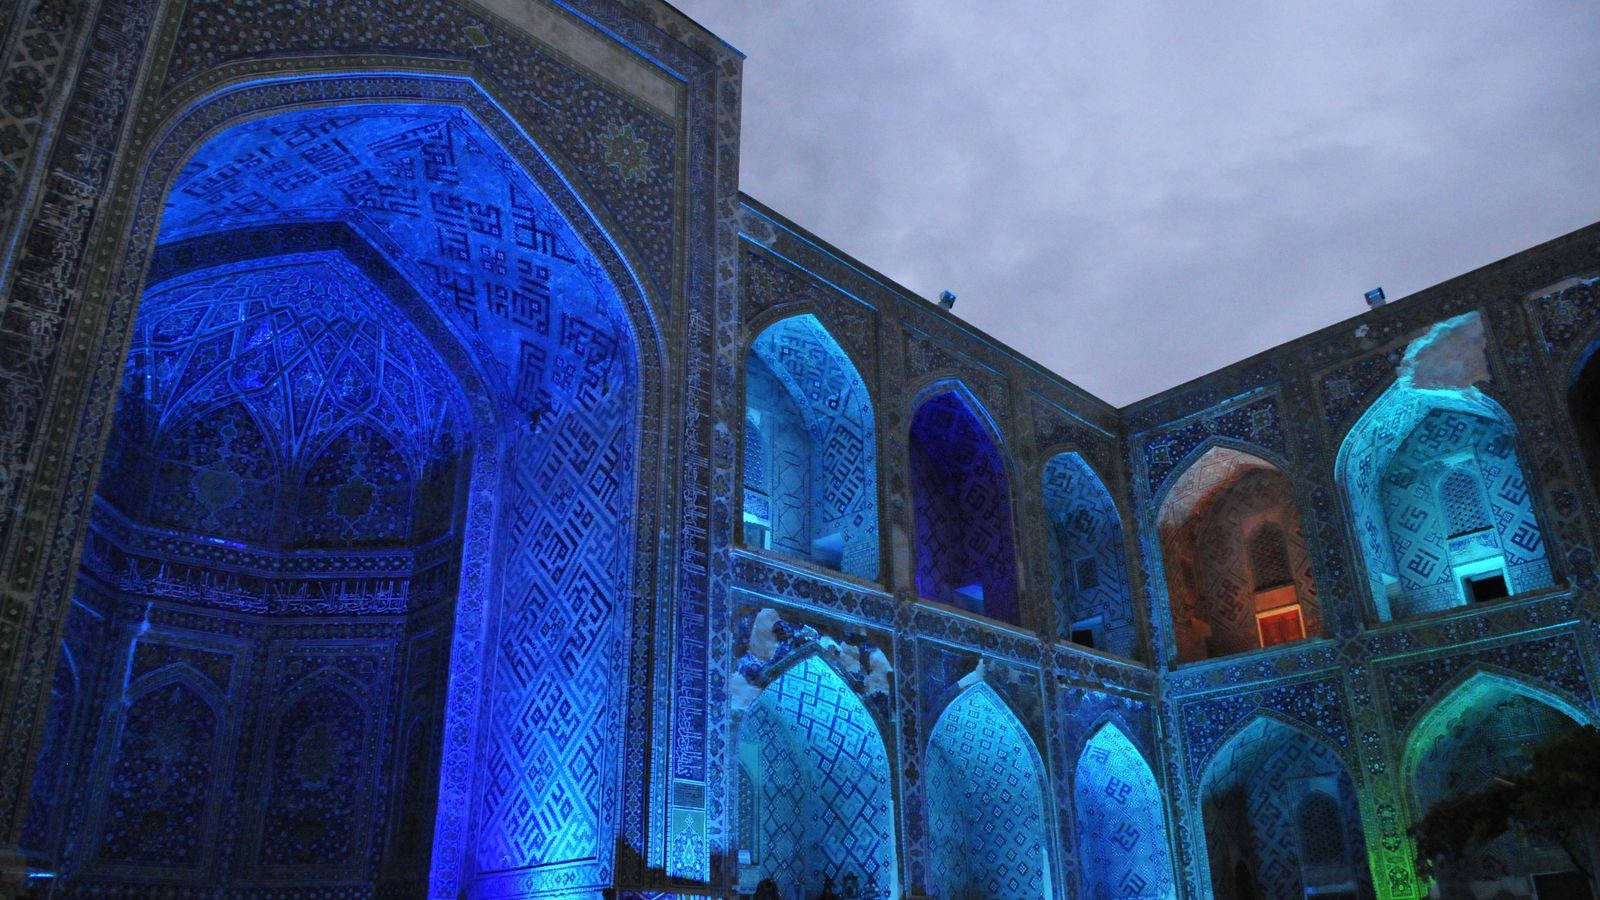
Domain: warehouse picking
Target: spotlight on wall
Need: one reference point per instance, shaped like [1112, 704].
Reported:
[947, 300]
[1375, 297]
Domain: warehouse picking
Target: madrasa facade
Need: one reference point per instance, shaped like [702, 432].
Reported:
[424, 473]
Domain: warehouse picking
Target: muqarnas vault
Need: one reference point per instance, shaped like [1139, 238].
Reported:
[425, 474]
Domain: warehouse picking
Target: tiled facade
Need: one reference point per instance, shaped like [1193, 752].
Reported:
[425, 473]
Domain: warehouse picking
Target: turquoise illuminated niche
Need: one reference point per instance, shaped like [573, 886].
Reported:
[815, 795]
[1121, 818]
[1439, 504]
[987, 830]
[810, 450]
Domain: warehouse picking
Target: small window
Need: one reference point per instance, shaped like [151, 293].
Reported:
[1562, 886]
[1086, 632]
[1088, 573]
[1321, 831]
[1269, 558]
[1463, 503]
[757, 534]
[1490, 586]
[1280, 626]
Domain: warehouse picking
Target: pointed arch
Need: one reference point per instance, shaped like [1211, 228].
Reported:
[167, 740]
[318, 774]
[815, 755]
[1417, 461]
[966, 551]
[567, 406]
[810, 450]
[1208, 520]
[988, 824]
[1482, 729]
[1121, 822]
[1251, 794]
[1088, 559]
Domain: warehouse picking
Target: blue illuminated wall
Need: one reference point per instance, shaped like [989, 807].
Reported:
[810, 450]
[1436, 491]
[1089, 572]
[285, 462]
[988, 835]
[1254, 796]
[290, 403]
[1121, 822]
[966, 554]
[818, 795]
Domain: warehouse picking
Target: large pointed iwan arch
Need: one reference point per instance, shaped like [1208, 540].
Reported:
[810, 450]
[1237, 570]
[427, 177]
[988, 824]
[966, 552]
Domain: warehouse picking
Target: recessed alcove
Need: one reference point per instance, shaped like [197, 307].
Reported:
[1121, 820]
[1237, 570]
[988, 831]
[814, 787]
[1088, 565]
[965, 550]
[810, 450]
[1441, 510]
[1281, 818]
[1484, 729]
[378, 394]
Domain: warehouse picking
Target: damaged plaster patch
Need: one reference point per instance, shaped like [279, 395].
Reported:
[1451, 356]
[772, 639]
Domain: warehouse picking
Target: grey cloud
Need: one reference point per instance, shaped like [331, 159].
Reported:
[1135, 194]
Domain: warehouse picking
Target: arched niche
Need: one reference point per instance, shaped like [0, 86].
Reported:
[1269, 799]
[816, 800]
[367, 336]
[810, 450]
[1088, 563]
[1121, 822]
[966, 553]
[1238, 573]
[1440, 507]
[1482, 730]
[988, 829]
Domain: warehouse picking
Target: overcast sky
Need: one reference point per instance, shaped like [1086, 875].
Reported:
[1136, 193]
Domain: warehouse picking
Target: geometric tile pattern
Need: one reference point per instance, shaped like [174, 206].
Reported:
[1212, 528]
[819, 784]
[161, 795]
[1482, 731]
[1121, 822]
[1253, 794]
[1087, 558]
[816, 460]
[283, 402]
[1429, 535]
[987, 831]
[966, 555]
[296, 407]
[1408, 469]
